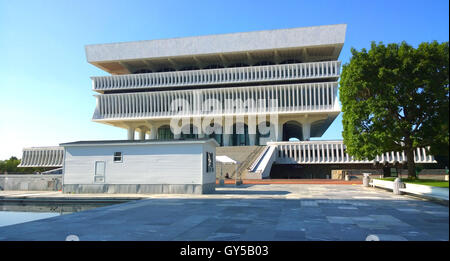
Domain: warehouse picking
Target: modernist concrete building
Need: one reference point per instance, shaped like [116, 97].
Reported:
[275, 88]
[297, 68]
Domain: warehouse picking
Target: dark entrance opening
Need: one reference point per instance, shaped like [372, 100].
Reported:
[240, 135]
[292, 129]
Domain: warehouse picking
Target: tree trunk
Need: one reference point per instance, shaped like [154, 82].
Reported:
[411, 164]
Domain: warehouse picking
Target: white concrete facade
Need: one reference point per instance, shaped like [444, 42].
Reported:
[288, 73]
[281, 39]
[332, 152]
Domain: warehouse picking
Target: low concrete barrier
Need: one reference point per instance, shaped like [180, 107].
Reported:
[421, 190]
[31, 182]
[382, 184]
[437, 192]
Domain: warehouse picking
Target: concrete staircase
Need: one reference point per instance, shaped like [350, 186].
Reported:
[243, 154]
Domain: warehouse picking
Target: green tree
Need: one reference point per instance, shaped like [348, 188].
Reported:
[395, 98]
[10, 166]
[2, 166]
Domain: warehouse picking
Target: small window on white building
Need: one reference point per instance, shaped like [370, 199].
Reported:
[117, 156]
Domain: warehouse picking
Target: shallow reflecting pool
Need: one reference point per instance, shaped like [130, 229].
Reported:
[15, 213]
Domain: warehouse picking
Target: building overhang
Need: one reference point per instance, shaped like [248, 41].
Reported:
[318, 128]
[306, 44]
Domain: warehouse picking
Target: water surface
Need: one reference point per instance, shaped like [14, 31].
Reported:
[16, 213]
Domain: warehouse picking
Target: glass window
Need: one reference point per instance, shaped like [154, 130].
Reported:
[99, 168]
[117, 156]
[165, 133]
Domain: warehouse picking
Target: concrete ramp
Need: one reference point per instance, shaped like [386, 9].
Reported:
[261, 166]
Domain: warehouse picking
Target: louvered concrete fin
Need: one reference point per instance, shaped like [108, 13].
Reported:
[42, 157]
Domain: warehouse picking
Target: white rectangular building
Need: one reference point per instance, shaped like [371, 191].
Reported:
[140, 166]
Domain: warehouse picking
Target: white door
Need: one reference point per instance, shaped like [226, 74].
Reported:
[99, 175]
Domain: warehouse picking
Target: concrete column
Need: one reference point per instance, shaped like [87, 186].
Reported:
[227, 130]
[279, 132]
[200, 133]
[251, 123]
[142, 134]
[252, 139]
[153, 132]
[227, 135]
[131, 133]
[306, 128]
[197, 122]
[226, 139]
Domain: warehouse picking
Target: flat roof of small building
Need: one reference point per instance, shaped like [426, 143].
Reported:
[137, 142]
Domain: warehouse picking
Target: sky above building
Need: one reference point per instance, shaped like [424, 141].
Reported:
[46, 95]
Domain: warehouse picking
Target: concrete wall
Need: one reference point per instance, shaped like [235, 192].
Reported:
[323, 171]
[320, 171]
[31, 182]
[427, 171]
[150, 168]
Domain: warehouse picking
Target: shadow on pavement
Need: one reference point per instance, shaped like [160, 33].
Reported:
[251, 192]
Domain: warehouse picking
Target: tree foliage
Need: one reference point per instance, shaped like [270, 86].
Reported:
[396, 98]
[10, 166]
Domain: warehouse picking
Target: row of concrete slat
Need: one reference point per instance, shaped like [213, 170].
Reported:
[42, 157]
[335, 152]
[218, 76]
[277, 98]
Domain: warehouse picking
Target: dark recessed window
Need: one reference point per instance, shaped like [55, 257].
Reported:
[117, 156]
[290, 61]
[262, 63]
[189, 68]
[238, 65]
[142, 71]
[166, 70]
[213, 66]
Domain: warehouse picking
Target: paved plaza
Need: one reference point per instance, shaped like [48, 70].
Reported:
[292, 212]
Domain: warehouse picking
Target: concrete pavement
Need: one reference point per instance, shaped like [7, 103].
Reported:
[293, 212]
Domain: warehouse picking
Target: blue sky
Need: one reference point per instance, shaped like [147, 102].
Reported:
[45, 89]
